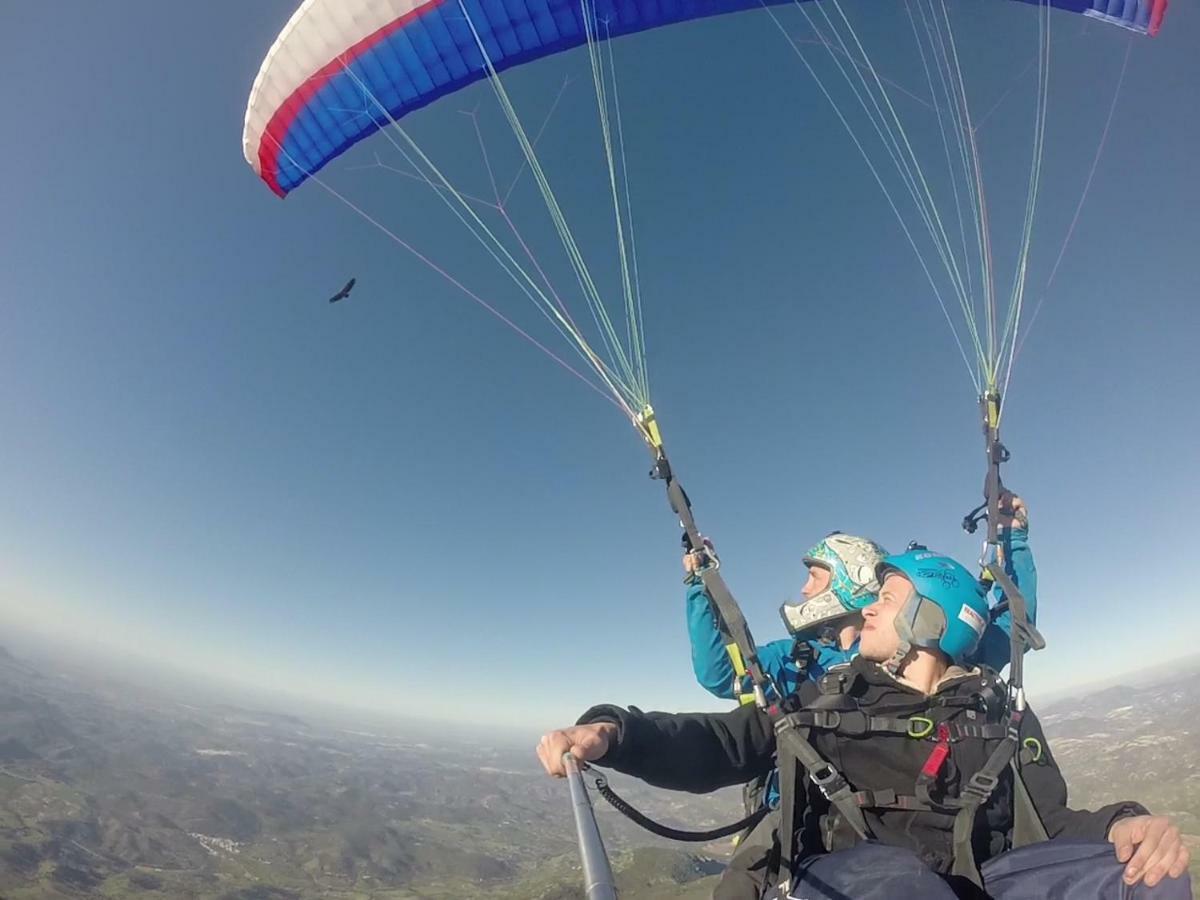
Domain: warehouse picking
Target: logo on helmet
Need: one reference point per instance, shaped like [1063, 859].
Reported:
[945, 576]
[973, 619]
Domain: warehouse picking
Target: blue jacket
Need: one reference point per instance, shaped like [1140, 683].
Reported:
[994, 648]
[714, 669]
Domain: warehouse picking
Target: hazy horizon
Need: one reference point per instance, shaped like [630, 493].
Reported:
[136, 665]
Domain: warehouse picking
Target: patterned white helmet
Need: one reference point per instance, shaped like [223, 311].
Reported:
[851, 562]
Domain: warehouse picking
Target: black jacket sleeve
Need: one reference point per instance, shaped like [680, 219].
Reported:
[697, 752]
[1048, 790]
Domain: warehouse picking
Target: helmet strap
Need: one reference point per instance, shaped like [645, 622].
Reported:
[898, 659]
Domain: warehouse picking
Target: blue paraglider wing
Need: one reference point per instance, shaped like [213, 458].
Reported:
[341, 69]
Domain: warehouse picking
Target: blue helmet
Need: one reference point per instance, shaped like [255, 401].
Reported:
[851, 563]
[947, 609]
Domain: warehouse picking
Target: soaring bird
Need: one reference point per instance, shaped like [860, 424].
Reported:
[344, 292]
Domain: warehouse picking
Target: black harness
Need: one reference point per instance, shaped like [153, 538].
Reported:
[943, 722]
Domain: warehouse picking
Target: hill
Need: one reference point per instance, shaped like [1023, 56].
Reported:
[108, 788]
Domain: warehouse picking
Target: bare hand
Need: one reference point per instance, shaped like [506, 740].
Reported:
[1151, 848]
[1013, 512]
[584, 742]
[695, 560]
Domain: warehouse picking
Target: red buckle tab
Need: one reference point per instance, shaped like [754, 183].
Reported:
[940, 753]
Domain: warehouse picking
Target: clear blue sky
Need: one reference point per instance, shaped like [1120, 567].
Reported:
[204, 462]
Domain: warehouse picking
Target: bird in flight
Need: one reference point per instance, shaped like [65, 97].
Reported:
[344, 292]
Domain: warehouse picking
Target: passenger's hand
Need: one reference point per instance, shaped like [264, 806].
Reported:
[696, 560]
[1151, 848]
[1013, 512]
[584, 742]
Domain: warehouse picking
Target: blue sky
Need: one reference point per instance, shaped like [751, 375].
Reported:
[205, 464]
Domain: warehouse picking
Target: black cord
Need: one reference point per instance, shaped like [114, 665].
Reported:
[622, 806]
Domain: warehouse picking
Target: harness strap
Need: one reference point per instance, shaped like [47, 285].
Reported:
[1027, 823]
[792, 741]
[975, 793]
[729, 614]
[889, 799]
[739, 673]
[854, 723]
[788, 798]
[982, 732]
[794, 750]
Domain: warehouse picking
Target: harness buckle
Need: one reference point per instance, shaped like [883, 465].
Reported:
[827, 780]
[980, 786]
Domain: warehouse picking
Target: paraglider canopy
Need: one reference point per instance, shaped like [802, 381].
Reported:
[315, 93]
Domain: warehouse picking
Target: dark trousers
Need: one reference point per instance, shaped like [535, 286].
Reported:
[1050, 870]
